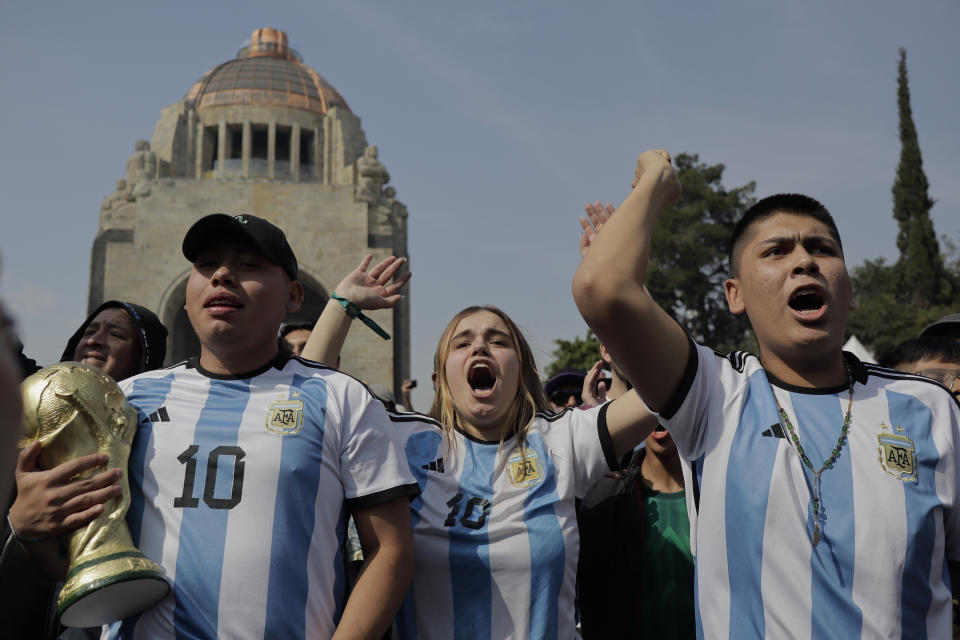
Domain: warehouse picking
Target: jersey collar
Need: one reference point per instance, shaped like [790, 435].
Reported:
[277, 362]
[857, 370]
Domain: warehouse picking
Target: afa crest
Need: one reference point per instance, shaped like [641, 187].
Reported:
[285, 417]
[525, 469]
[898, 455]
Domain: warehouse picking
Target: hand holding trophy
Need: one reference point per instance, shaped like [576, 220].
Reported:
[74, 410]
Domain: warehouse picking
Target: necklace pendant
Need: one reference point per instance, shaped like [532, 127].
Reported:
[816, 538]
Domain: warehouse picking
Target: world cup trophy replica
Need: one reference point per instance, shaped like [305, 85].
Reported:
[75, 410]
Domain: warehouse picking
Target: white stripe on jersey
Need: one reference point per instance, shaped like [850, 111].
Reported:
[496, 552]
[243, 490]
[884, 536]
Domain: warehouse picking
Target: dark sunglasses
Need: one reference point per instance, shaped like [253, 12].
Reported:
[560, 397]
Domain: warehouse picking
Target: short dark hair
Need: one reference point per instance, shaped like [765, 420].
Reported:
[922, 348]
[295, 326]
[794, 204]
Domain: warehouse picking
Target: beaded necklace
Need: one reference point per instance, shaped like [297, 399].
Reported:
[828, 463]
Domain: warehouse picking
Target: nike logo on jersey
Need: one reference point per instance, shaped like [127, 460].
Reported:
[160, 415]
[436, 465]
[775, 431]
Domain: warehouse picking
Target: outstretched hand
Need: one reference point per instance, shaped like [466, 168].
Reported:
[594, 390]
[598, 216]
[376, 288]
[55, 501]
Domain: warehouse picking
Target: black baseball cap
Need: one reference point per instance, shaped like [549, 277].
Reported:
[265, 236]
[947, 327]
[566, 378]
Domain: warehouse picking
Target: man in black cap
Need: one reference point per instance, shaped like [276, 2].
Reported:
[247, 459]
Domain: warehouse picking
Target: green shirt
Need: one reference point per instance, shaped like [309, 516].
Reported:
[667, 599]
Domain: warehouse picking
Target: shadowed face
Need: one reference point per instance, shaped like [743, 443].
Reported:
[110, 343]
[237, 297]
[296, 340]
[943, 371]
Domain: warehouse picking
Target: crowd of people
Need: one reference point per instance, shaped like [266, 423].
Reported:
[798, 492]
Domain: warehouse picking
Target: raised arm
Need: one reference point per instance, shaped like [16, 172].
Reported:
[609, 286]
[375, 289]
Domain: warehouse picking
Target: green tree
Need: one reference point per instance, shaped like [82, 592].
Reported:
[688, 262]
[921, 266]
[579, 353]
[896, 301]
[885, 317]
[881, 320]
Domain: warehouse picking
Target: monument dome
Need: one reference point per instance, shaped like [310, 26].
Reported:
[261, 133]
[266, 71]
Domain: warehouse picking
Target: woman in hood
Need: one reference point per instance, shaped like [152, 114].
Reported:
[119, 338]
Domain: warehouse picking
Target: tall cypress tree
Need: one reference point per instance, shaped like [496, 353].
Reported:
[921, 264]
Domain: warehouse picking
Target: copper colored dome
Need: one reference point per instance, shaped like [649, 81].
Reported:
[266, 72]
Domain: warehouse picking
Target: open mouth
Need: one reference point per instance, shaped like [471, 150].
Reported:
[229, 303]
[660, 434]
[806, 301]
[480, 377]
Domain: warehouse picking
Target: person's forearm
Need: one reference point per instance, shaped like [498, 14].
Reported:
[328, 335]
[625, 246]
[609, 290]
[615, 268]
[384, 580]
[44, 555]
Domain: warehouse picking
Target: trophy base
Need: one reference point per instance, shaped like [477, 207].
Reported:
[110, 588]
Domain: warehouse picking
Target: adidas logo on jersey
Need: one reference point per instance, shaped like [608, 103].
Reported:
[436, 465]
[775, 431]
[160, 415]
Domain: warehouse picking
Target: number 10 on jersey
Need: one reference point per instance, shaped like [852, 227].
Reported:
[189, 459]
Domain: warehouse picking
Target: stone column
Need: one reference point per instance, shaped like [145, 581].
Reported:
[327, 150]
[295, 152]
[191, 142]
[246, 150]
[271, 148]
[198, 164]
[315, 151]
[221, 148]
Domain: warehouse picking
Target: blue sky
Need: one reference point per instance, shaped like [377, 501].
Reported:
[496, 120]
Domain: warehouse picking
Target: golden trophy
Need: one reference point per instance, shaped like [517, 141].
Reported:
[75, 410]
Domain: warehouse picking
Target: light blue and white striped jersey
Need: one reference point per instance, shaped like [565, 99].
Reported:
[239, 488]
[496, 532]
[889, 514]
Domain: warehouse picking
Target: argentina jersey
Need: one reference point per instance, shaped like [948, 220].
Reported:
[239, 489]
[888, 514]
[495, 529]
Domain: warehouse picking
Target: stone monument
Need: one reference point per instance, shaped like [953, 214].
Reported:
[264, 134]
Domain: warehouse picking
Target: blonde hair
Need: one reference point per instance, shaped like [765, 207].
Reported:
[530, 397]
